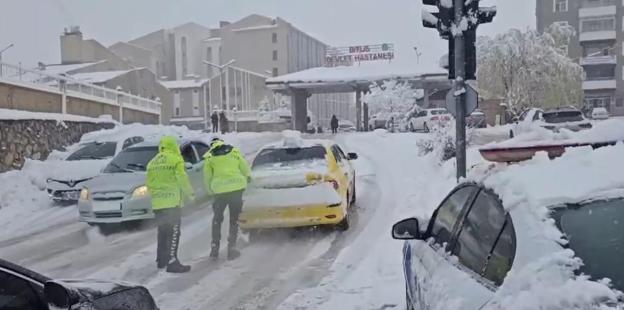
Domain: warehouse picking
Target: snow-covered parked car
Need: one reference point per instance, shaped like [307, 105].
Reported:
[119, 193]
[21, 288]
[555, 119]
[91, 155]
[599, 113]
[346, 126]
[544, 234]
[429, 118]
[298, 183]
[476, 119]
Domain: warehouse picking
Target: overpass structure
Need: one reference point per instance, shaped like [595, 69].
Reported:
[358, 78]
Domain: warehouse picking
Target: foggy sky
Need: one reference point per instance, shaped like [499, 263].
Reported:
[34, 26]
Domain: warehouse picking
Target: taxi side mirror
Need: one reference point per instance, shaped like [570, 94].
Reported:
[352, 156]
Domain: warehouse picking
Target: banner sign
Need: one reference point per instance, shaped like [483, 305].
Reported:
[346, 56]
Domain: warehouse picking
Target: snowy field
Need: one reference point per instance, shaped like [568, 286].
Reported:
[357, 269]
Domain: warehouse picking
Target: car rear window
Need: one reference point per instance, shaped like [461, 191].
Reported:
[596, 235]
[439, 112]
[132, 159]
[289, 156]
[563, 116]
[94, 150]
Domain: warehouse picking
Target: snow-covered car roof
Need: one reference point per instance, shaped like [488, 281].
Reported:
[529, 191]
[293, 139]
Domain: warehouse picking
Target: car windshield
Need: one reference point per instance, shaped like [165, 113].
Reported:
[439, 112]
[595, 232]
[563, 116]
[289, 156]
[132, 159]
[94, 150]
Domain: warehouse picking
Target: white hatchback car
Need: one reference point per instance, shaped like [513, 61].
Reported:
[539, 234]
[599, 113]
[426, 119]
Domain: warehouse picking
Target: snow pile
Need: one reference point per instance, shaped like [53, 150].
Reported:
[604, 131]
[10, 114]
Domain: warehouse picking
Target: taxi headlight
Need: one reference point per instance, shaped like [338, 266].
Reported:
[85, 194]
[140, 192]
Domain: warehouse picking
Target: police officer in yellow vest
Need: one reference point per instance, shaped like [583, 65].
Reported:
[168, 185]
[226, 174]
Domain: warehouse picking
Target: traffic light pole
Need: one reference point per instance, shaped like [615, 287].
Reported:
[460, 98]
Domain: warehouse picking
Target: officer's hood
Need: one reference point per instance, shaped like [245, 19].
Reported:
[169, 144]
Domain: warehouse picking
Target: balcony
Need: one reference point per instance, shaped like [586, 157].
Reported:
[610, 83]
[597, 35]
[599, 60]
[597, 8]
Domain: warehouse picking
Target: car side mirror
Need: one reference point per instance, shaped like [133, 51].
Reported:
[60, 296]
[188, 166]
[352, 156]
[406, 229]
[515, 119]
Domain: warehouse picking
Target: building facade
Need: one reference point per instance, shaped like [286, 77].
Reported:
[597, 45]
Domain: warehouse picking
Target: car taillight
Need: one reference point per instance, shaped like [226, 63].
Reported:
[334, 183]
[447, 118]
[434, 118]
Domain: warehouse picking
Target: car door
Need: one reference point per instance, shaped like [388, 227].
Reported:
[343, 171]
[347, 166]
[19, 292]
[200, 149]
[477, 258]
[194, 170]
[422, 257]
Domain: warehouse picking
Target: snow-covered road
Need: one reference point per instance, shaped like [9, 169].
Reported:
[321, 269]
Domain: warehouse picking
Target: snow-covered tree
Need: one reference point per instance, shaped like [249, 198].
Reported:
[530, 69]
[391, 96]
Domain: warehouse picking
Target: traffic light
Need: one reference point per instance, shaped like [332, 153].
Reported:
[443, 21]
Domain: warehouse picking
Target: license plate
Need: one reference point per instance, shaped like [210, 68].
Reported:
[106, 206]
[71, 195]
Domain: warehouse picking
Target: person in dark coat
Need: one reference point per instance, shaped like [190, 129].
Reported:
[215, 121]
[334, 124]
[223, 122]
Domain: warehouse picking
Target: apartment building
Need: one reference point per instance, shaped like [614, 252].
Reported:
[597, 46]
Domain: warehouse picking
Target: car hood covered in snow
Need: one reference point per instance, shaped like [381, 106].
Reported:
[64, 170]
[96, 294]
[116, 182]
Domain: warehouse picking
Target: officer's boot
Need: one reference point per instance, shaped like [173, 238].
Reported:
[174, 265]
[232, 253]
[214, 250]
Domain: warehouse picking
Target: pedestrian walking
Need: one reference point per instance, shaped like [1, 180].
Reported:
[226, 174]
[223, 122]
[214, 118]
[334, 124]
[168, 184]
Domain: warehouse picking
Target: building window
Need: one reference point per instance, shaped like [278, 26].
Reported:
[598, 24]
[598, 101]
[600, 73]
[275, 72]
[591, 49]
[274, 55]
[560, 5]
[184, 57]
[274, 37]
[209, 53]
[619, 102]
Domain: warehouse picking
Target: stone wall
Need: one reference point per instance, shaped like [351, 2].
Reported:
[36, 139]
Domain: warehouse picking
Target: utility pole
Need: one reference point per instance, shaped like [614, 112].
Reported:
[2, 51]
[457, 22]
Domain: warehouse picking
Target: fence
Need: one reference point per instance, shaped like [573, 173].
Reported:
[68, 86]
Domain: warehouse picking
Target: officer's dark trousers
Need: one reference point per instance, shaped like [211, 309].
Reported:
[215, 127]
[233, 201]
[168, 221]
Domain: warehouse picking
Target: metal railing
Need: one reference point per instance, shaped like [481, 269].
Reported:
[72, 87]
[597, 3]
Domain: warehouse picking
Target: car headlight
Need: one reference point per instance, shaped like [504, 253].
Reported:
[85, 194]
[140, 192]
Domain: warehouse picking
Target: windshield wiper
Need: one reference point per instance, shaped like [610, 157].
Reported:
[92, 157]
[120, 168]
[140, 166]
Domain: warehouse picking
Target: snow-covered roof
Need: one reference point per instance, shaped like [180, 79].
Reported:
[99, 77]
[261, 27]
[178, 84]
[64, 69]
[344, 78]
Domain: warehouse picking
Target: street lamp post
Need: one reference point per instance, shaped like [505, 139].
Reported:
[2, 51]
